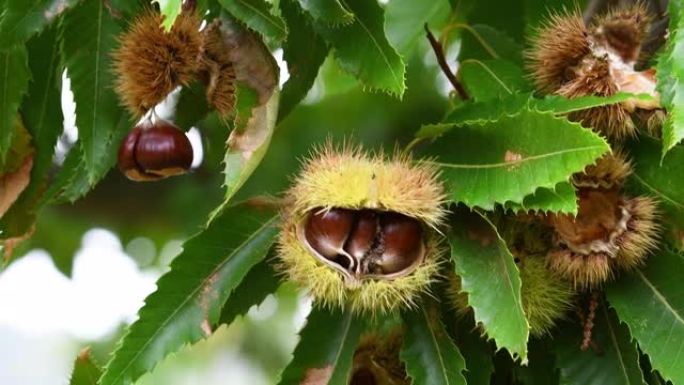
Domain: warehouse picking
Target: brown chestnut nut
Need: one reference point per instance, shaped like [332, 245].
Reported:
[402, 241]
[363, 234]
[153, 151]
[327, 231]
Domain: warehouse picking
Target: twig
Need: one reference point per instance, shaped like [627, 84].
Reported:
[441, 60]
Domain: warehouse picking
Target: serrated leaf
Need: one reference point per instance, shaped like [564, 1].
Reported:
[616, 364]
[256, 109]
[563, 105]
[88, 36]
[405, 20]
[190, 296]
[20, 19]
[327, 11]
[86, 371]
[430, 356]
[650, 302]
[494, 109]
[362, 49]
[492, 281]
[74, 179]
[495, 162]
[170, 9]
[14, 80]
[42, 116]
[490, 79]
[670, 75]
[304, 51]
[325, 349]
[561, 199]
[661, 181]
[258, 15]
[254, 288]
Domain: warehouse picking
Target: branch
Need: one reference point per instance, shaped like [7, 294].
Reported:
[441, 60]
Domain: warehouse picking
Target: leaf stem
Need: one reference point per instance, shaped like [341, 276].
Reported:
[441, 60]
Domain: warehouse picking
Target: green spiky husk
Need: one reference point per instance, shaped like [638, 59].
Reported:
[353, 179]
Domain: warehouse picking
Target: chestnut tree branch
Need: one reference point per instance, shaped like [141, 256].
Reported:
[441, 60]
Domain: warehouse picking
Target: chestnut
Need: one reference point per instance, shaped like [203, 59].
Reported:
[327, 231]
[363, 234]
[402, 241]
[153, 151]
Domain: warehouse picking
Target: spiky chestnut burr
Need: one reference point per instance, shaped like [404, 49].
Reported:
[360, 229]
[571, 59]
[545, 296]
[608, 172]
[611, 232]
[376, 361]
[153, 151]
[150, 62]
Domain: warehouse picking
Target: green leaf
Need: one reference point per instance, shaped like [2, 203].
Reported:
[650, 302]
[88, 36]
[495, 162]
[14, 79]
[304, 51]
[492, 281]
[20, 19]
[256, 109]
[258, 15]
[362, 49]
[494, 109]
[616, 364]
[504, 16]
[254, 288]
[42, 115]
[74, 179]
[430, 356]
[246, 148]
[660, 181]
[192, 106]
[560, 199]
[327, 11]
[485, 43]
[325, 350]
[86, 371]
[490, 79]
[562, 105]
[476, 351]
[189, 297]
[170, 9]
[670, 74]
[405, 20]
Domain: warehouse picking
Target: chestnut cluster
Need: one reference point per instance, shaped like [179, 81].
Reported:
[155, 150]
[365, 243]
